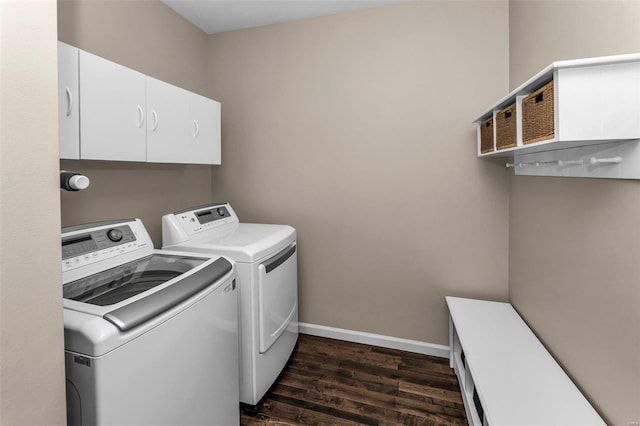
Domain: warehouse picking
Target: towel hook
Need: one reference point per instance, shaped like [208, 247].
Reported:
[611, 160]
[569, 162]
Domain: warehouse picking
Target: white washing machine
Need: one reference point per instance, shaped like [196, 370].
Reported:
[266, 261]
[151, 336]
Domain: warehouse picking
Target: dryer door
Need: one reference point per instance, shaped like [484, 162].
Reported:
[277, 295]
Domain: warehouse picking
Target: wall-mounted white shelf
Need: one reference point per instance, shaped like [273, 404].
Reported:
[596, 112]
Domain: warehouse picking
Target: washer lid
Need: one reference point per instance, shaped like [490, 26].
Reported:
[95, 329]
[122, 282]
[243, 242]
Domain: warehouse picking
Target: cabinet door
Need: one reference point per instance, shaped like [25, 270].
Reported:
[68, 102]
[204, 136]
[112, 120]
[167, 123]
[599, 102]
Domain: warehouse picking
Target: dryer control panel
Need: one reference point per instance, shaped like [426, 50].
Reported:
[213, 214]
[203, 218]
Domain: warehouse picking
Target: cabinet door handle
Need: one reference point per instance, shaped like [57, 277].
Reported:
[140, 116]
[69, 101]
[154, 114]
[196, 129]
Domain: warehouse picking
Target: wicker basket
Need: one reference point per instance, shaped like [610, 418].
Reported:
[537, 115]
[486, 135]
[506, 128]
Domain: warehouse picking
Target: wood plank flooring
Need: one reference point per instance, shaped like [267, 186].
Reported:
[331, 382]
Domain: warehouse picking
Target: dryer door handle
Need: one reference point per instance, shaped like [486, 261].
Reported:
[277, 260]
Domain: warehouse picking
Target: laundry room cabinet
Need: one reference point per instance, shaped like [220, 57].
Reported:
[68, 102]
[203, 130]
[179, 125]
[113, 106]
[167, 122]
[111, 112]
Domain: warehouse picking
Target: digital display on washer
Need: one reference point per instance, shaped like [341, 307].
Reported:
[122, 282]
[77, 246]
[77, 240]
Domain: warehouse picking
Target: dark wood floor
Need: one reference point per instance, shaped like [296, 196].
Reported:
[331, 382]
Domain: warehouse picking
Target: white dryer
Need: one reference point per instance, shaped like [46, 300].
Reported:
[151, 336]
[266, 261]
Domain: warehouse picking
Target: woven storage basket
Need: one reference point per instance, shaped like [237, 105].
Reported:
[506, 128]
[486, 135]
[537, 115]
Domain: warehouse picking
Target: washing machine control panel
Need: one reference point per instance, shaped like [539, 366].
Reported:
[205, 218]
[94, 245]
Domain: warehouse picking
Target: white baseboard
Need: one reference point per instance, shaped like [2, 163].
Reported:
[433, 349]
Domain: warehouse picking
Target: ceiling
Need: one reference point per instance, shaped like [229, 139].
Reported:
[216, 16]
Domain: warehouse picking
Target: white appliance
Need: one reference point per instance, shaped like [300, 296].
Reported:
[266, 261]
[151, 336]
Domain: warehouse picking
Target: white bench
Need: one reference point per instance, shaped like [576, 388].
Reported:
[506, 375]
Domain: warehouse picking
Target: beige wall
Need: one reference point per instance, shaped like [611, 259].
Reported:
[347, 127]
[575, 243]
[356, 129]
[145, 35]
[545, 31]
[31, 330]
[149, 37]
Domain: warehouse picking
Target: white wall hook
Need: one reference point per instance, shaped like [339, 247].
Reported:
[569, 162]
[533, 163]
[612, 160]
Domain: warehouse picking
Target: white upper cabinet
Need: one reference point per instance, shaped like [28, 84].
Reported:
[204, 140]
[113, 102]
[599, 102]
[575, 118]
[68, 102]
[591, 101]
[167, 123]
[111, 112]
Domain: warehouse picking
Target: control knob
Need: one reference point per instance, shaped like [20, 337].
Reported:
[221, 211]
[114, 235]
